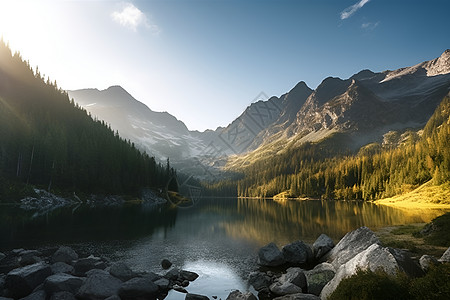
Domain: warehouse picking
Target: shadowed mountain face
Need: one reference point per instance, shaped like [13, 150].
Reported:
[364, 107]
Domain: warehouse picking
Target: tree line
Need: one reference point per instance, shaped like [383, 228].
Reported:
[48, 140]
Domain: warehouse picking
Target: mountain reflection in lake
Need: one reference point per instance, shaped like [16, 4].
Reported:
[217, 235]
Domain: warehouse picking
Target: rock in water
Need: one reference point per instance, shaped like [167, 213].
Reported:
[99, 284]
[166, 264]
[195, 297]
[270, 256]
[191, 276]
[350, 245]
[259, 280]
[64, 254]
[238, 295]
[322, 245]
[297, 253]
[23, 281]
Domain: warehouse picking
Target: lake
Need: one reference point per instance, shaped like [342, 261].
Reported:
[217, 238]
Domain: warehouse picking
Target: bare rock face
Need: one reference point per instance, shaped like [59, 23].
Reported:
[350, 245]
[426, 261]
[446, 256]
[270, 256]
[373, 258]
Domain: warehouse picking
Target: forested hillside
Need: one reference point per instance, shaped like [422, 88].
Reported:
[48, 141]
[317, 170]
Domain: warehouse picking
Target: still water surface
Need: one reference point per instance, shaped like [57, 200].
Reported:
[217, 238]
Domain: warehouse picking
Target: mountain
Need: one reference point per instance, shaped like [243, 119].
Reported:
[158, 133]
[48, 141]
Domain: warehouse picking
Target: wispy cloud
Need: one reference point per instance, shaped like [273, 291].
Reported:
[132, 17]
[369, 25]
[349, 11]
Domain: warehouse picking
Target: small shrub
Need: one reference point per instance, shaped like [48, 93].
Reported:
[435, 285]
[439, 235]
[368, 285]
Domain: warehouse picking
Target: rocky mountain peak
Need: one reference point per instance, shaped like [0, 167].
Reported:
[440, 65]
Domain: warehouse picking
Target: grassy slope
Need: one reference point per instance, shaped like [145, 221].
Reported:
[426, 196]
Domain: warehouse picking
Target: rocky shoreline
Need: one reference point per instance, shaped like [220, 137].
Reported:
[297, 271]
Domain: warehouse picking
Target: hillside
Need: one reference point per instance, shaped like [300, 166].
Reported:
[49, 141]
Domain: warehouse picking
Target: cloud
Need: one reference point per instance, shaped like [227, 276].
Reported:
[369, 25]
[132, 17]
[349, 11]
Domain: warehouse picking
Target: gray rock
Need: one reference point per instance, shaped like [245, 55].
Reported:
[62, 282]
[2, 256]
[138, 288]
[285, 288]
[322, 245]
[374, 257]
[23, 281]
[83, 265]
[29, 257]
[5, 298]
[426, 261]
[350, 245]
[113, 297]
[63, 296]
[122, 271]
[270, 256]
[64, 254]
[191, 276]
[60, 267]
[318, 277]
[190, 296]
[446, 256]
[297, 253]
[37, 295]
[99, 284]
[238, 295]
[8, 263]
[259, 280]
[172, 274]
[166, 264]
[295, 276]
[179, 289]
[299, 296]
[162, 283]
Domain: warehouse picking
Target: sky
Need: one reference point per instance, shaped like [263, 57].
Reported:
[205, 61]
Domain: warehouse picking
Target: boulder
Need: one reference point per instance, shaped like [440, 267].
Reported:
[63, 296]
[446, 256]
[285, 288]
[297, 253]
[8, 263]
[426, 261]
[99, 284]
[2, 256]
[374, 257]
[5, 298]
[191, 276]
[121, 271]
[299, 296]
[190, 296]
[295, 276]
[113, 297]
[166, 264]
[322, 245]
[318, 277]
[138, 288]
[172, 274]
[350, 245]
[270, 256]
[23, 281]
[162, 283]
[60, 267]
[238, 295]
[83, 265]
[259, 280]
[37, 295]
[29, 257]
[62, 282]
[64, 254]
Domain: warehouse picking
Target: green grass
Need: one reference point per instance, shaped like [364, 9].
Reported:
[405, 229]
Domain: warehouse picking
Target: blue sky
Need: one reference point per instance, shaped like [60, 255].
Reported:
[205, 61]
